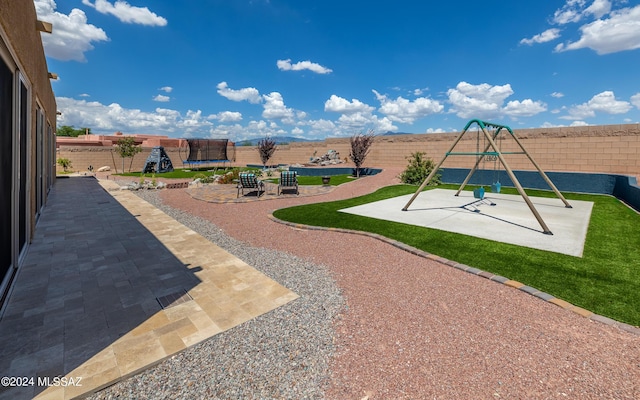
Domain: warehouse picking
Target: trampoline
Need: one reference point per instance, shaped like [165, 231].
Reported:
[202, 153]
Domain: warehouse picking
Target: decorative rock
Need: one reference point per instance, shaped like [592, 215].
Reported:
[282, 354]
[104, 169]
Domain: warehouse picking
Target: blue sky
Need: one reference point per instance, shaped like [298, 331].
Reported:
[242, 69]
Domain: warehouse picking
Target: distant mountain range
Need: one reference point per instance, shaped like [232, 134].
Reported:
[396, 133]
[277, 139]
[290, 139]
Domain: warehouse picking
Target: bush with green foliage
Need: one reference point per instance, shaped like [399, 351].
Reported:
[420, 166]
[65, 163]
[230, 176]
[205, 178]
[66, 130]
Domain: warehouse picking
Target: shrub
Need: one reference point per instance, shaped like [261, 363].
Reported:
[230, 176]
[205, 178]
[420, 166]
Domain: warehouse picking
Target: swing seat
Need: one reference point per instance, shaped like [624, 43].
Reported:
[478, 193]
[495, 188]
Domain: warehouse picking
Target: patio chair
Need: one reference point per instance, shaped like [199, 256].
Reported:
[288, 179]
[249, 181]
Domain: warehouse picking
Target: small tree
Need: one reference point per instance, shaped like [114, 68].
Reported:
[360, 146]
[419, 169]
[127, 147]
[266, 148]
[65, 163]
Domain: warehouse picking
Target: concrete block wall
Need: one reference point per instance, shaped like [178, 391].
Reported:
[83, 156]
[607, 149]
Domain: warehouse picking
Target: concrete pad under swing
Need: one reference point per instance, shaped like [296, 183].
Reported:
[509, 220]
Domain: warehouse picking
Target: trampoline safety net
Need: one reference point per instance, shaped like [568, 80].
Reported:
[203, 151]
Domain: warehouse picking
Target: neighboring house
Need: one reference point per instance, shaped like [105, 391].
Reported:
[27, 133]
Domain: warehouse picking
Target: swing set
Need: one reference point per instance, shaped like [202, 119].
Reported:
[492, 151]
[495, 185]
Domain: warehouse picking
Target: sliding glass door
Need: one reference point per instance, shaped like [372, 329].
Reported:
[6, 168]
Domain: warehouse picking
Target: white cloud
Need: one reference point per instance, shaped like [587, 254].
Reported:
[297, 132]
[524, 108]
[572, 11]
[406, 111]
[344, 106]
[578, 123]
[127, 13]
[546, 36]
[72, 36]
[599, 8]
[384, 125]
[285, 65]
[161, 98]
[486, 102]
[321, 128]
[113, 117]
[356, 121]
[253, 129]
[166, 89]
[478, 101]
[575, 11]
[635, 100]
[349, 124]
[619, 32]
[228, 116]
[274, 108]
[193, 121]
[246, 94]
[557, 95]
[604, 102]
[237, 132]
[437, 130]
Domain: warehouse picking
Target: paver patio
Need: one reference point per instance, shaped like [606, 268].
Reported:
[86, 302]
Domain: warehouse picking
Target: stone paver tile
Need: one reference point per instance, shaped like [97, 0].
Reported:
[581, 311]
[514, 284]
[172, 343]
[561, 303]
[259, 307]
[92, 295]
[135, 353]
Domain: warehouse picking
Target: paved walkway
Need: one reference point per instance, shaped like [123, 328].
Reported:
[86, 304]
[229, 193]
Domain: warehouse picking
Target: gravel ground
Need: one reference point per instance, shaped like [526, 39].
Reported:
[412, 328]
[283, 354]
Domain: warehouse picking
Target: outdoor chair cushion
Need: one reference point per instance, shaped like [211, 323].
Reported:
[249, 181]
[288, 179]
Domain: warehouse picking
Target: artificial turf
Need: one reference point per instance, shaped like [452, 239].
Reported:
[605, 280]
[193, 173]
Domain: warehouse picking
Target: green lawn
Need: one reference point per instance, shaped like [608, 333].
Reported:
[194, 173]
[180, 173]
[606, 280]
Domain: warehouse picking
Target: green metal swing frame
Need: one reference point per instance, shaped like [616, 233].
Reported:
[491, 149]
